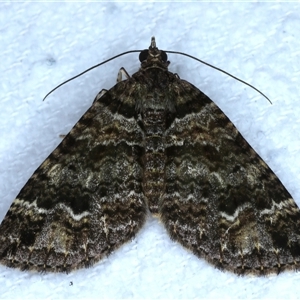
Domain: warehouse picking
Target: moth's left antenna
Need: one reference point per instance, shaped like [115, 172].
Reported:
[89, 69]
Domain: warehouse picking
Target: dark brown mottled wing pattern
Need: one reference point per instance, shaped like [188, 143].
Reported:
[153, 143]
[85, 200]
[221, 200]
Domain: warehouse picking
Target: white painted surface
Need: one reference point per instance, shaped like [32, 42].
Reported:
[43, 44]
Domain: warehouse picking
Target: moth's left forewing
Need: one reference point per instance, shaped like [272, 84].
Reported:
[85, 200]
[221, 200]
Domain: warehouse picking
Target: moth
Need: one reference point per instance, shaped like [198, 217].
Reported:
[153, 144]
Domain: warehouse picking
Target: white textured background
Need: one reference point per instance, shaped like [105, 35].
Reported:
[43, 44]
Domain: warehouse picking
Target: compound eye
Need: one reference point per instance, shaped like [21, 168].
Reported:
[143, 55]
[164, 56]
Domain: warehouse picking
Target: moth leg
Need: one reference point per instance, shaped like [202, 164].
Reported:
[121, 73]
[100, 94]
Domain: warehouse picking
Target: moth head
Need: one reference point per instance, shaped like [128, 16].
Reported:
[153, 57]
